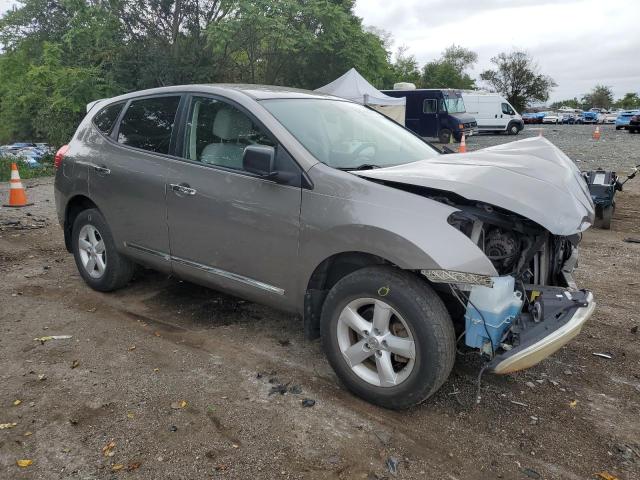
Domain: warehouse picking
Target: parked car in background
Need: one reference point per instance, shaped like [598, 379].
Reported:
[569, 118]
[533, 117]
[591, 117]
[623, 119]
[390, 251]
[634, 123]
[610, 117]
[493, 113]
[436, 113]
[552, 117]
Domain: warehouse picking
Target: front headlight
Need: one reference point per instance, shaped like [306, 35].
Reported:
[450, 276]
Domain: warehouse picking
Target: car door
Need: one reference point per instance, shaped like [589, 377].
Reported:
[507, 114]
[127, 177]
[429, 118]
[228, 228]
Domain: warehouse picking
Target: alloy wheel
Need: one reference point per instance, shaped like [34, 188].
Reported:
[376, 342]
[92, 251]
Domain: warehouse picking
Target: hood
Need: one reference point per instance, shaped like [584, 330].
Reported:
[463, 117]
[530, 177]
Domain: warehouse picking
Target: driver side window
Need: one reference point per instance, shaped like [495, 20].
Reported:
[217, 133]
[507, 110]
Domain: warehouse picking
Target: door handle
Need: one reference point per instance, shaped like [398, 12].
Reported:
[102, 170]
[183, 189]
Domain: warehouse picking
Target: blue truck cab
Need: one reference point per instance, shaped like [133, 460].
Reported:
[436, 113]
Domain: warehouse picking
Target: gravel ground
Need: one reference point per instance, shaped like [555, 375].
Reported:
[107, 403]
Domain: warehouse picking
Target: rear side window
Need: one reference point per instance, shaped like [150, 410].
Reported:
[106, 117]
[147, 123]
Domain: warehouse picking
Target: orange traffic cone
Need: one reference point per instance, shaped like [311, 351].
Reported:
[17, 195]
[596, 133]
[463, 145]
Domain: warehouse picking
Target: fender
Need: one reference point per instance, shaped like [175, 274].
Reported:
[409, 230]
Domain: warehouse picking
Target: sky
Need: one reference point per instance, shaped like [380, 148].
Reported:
[578, 43]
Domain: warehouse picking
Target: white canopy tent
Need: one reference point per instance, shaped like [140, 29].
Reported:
[353, 86]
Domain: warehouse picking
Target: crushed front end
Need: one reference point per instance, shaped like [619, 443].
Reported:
[533, 307]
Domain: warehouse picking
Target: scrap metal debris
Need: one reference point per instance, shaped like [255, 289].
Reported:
[52, 337]
[608, 356]
[632, 240]
[392, 465]
[308, 402]
[34, 224]
[4, 426]
[22, 463]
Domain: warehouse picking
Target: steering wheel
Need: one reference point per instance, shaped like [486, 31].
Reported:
[357, 153]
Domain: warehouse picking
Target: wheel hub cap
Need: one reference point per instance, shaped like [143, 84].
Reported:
[376, 342]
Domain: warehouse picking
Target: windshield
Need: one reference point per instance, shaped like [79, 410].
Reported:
[455, 105]
[347, 135]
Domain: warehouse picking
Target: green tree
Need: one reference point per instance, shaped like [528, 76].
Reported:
[449, 71]
[58, 55]
[404, 69]
[629, 101]
[600, 97]
[571, 103]
[517, 77]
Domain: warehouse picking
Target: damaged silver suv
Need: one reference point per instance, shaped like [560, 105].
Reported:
[390, 251]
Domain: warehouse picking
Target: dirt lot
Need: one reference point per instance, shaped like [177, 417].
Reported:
[136, 354]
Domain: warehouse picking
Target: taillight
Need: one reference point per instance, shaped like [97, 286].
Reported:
[57, 160]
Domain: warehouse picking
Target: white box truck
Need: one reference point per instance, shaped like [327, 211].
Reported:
[492, 112]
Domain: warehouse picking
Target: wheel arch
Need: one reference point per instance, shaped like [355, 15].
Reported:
[75, 205]
[326, 274]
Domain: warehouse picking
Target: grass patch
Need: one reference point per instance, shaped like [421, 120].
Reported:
[44, 170]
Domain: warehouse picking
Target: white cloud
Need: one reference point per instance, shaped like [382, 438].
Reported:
[579, 43]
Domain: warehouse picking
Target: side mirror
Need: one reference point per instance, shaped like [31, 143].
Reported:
[260, 160]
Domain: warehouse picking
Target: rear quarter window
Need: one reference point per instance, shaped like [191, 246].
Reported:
[148, 123]
[106, 117]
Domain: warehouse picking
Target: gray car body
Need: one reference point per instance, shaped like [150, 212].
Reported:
[262, 240]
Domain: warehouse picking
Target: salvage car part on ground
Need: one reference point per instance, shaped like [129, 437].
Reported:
[603, 185]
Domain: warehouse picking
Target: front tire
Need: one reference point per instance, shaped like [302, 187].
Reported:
[513, 129]
[444, 136]
[101, 266]
[388, 336]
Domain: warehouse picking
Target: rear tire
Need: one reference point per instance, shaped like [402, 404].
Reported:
[417, 315]
[101, 266]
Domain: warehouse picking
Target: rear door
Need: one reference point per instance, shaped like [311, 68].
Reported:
[127, 177]
[229, 228]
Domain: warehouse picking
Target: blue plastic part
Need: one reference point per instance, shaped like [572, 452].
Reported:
[497, 324]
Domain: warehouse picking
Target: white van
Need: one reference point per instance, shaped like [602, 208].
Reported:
[492, 111]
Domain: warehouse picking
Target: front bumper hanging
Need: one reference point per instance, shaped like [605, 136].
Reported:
[556, 317]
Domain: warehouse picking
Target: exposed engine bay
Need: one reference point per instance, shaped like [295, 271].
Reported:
[524, 205]
[535, 282]
[517, 246]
